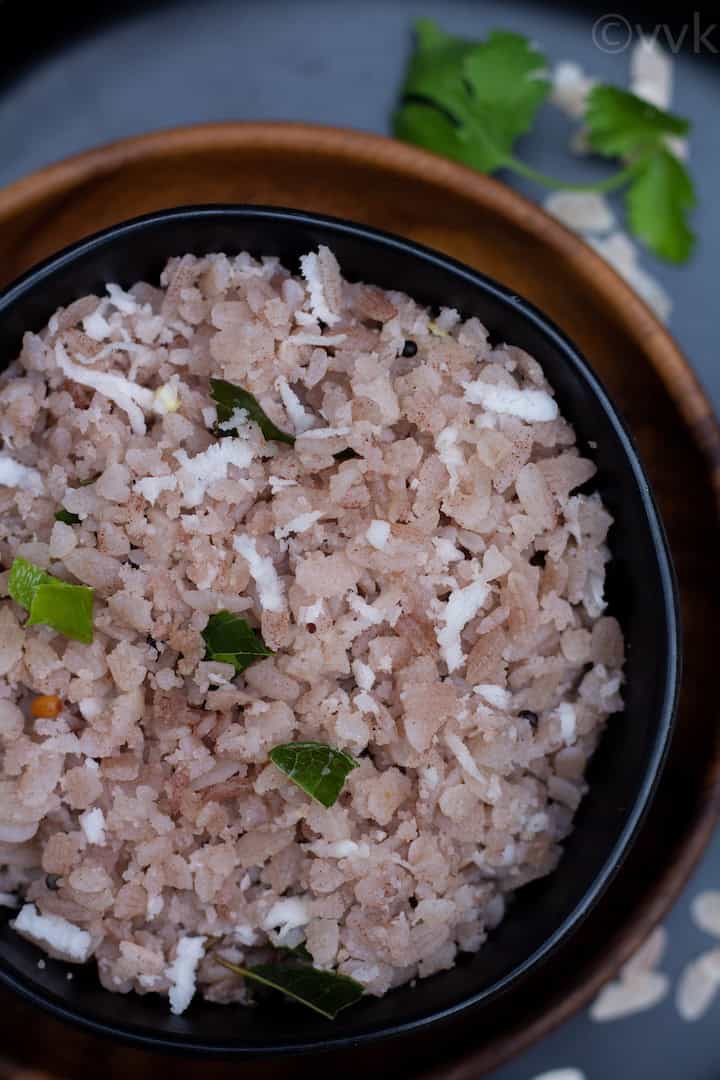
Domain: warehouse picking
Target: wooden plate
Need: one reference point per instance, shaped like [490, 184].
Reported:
[480, 221]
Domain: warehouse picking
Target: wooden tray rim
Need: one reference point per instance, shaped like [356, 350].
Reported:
[65, 178]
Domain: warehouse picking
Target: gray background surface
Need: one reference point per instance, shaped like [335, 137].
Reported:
[335, 63]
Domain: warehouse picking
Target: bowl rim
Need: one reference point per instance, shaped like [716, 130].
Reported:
[522, 308]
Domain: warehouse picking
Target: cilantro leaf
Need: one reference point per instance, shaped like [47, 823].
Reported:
[326, 992]
[230, 639]
[229, 397]
[319, 769]
[471, 100]
[658, 201]
[620, 124]
[661, 192]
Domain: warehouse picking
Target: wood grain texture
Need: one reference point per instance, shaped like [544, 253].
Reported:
[483, 223]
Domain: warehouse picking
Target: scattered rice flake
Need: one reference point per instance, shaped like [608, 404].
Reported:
[338, 849]
[155, 905]
[650, 953]
[497, 696]
[90, 708]
[364, 675]
[123, 301]
[594, 594]
[167, 397]
[366, 611]
[311, 613]
[570, 88]
[279, 483]
[182, 972]
[298, 416]
[127, 395]
[269, 587]
[465, 759]
[568, 722]
[92, 823]
[310, 268]
[705, 911]
[299, 524]
[54, 933]
[326, 433]
[562, 1074]
[651, 72]
[378, 534]
[436, 330]
[535, 406]
[238, 419]
[452, 457]
[462, 606]
[619, 250]
[14, 474]
[317, 340]
[287, 914]
[446, 550]
[366, 973]
[634, 993]
[698, 985]
[8, 899]
[196, 474]
[367, 703]
[96, 325]
[151, 487]
[583, 211]
[246, 935]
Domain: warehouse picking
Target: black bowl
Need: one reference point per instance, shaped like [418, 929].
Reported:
[641, 590]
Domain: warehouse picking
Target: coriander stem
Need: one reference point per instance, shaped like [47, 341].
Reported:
[611, 183]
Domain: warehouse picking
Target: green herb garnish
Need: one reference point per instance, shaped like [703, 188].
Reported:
[319, 769]
[67, 517]
[347, 454]
[323, 991]
[660, 193]
[472, 100]
[25, 577]
[230, 639]
[299, 952]
[66, 608]
[229, 397]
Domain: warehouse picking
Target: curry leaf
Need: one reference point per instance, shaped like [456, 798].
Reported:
[228, 398]
[323, 991]
[24, 580]
[66, 608]
[319, 769]
[51, 602]
[230, 639]
[67, 517]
